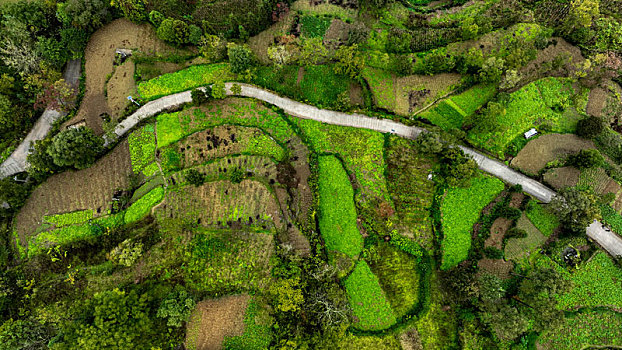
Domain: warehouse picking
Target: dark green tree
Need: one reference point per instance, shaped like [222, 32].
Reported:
[429, 143]
[156, 18]
[456, 168]
[240, 58]
[88, 15]
[350, 61]
[194, 177]
[590, 127]
[76, 147]
[134, 10]
[586, 158]
[576, 208]
[176, 308]
[174, 31]
[41, 163]
[539, 290]
[13, 193]
[23, 334]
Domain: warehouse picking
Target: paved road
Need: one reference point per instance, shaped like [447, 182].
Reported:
[607, 239]
[16, 163]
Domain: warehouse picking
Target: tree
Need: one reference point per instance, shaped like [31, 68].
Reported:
[492, 69]
[52, 51]
[237, 175]
[586, 158]
[456, 168]
[58, 96]
[469, 28]
[194, 177]
[438, 61]
[582, 13]
[110, 320]
[313, 52]
[280, 55]
[17, 49]
[174, 31]
[212, 47]
[134, 10]
[74, 41]
[349, 61]
[126, 253]
[41, 164]
[236, 89]
[218, 90]
[287, 294]
[510, 79]
[7, 115]
[23, 334]
[176, 308]
[488, 121]
[429, 143]
[505, 321]
[76, 147]
[539, 290]
[576, 208]
[201, 96]
[156, 18]
[13, 193]
[590, 127]
[87, 15]
[196, 33]
[240, 57]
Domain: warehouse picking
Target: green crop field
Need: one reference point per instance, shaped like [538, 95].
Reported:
[516, 248]
[186, 79]
[337, 211]
[584, 329]
[542, 218]
[76, 217]
[611, 218]
[314, 26]
[460, 209]
[143, 206]
[142, 148]
[371, 308]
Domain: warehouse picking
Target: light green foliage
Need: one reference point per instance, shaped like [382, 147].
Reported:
[337, 212]
[398, 276]
[350, 61]
[381, 83]
[436, 325]
[370, 306]
[583, 330]
[529, 107]
[218, 90]
[611, 218]
[76, 217]
[461, 208]
[287, 294]
[22, 334]
[451, 112]
[186, 79]
[221, 262]
[151, 169]
[176, 308]
[256, 334]
[543, 219]
[174, 126]
[314, 26]
[598, 283]
[142, 147]
[361, 150]
[126, 253]
[143, 206]
[264, 145]
[312, 52]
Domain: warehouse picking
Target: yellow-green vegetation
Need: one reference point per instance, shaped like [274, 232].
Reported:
[186, 79]
[544, 102]
[337, 215]
[542, 218]
[584, 330]
[611, 218]
[451, 112]
[221, 261]
[257, 333]
[73, 218]
[382, 85]
[367, 299]
[314, 26]
[143, 206]
[460, 209]
[515, 248]
[436, 325]
[142, 148]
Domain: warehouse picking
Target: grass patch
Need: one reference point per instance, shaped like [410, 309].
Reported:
[460, 210]
[257, 333]
[142, 147]
[546, 101]
[451, 112]
[381, 83]
[66, 219]
[611, 218]
[185, 79]
[583, 330]
[143, 206]
[337, 212]
[314, 26]
[371, 308]
[545, 221]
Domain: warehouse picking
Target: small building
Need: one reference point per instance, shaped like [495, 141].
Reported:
[530, 133]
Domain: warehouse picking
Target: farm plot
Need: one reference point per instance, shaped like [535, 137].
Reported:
[172, 127]
[583, 330]
[407, 95]
[142, 145]
[222, 261]
[598, 180]
[611, 218]
[337, 215]
[257, 329]
[545, 221]
[119, 87]
[559, 178]
[451, 112]
[221, 141]
[255, 167]
[314, 26]
[362, 151]
[214, 319]
[222, 204]
[186, 79]
[410, 189]
[460, 210]
[371, 309]
[74, 218]
[598, 283]
[545, 101]
[143, 206]
[70, 191]
[547, 148]
[517, 248]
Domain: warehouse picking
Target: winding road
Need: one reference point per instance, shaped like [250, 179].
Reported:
[609, 240]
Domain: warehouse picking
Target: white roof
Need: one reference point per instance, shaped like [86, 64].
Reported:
[530, 133]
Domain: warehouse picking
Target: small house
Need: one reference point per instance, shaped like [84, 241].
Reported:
[530, 133]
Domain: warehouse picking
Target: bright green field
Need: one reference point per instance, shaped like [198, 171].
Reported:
[142, 144]
[73, 218]
[370, 306]
[337, 212]
[451, 112]
[580, 331]
[183, 80]
[544, 220]
[314, 26]
[141, 207]
[530, 107]
[460, 209]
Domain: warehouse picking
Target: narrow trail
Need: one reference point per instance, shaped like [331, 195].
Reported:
[609, 240]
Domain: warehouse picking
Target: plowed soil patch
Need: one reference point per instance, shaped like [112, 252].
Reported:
[537, 153]
[562, 177]
[215, 319]
[497, 231]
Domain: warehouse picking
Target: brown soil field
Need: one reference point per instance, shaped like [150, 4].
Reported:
[337, 34]
[99, 57]
[497, 231]
[516, 200]
[431, 89]
[534, 70]
[90, 188]
[119, 87]
[223, 204]
[596, 102]
[546, 148]
[410, 340]
[497, 267]
[262, 168]
[215, 319]
[559, 178]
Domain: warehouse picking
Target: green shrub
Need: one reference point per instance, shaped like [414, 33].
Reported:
[194, 177]
[126, 253]
[314, 26]
[176, 308]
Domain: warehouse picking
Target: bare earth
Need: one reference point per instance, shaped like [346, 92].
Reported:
[537, 153]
